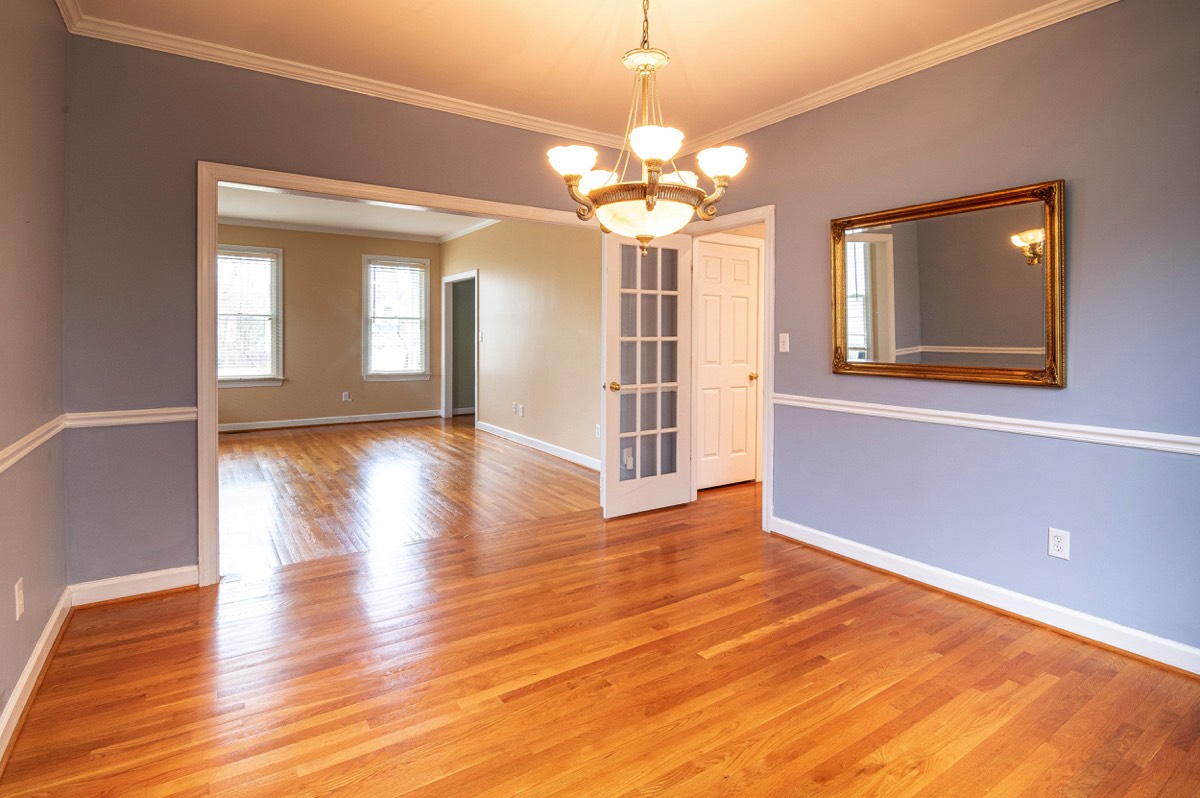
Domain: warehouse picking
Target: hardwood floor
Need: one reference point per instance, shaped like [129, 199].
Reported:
[680, 652]
[293, 495]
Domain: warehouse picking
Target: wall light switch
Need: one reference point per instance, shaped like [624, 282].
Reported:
[785, 342]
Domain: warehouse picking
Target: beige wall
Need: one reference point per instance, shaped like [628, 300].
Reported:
[539, 313]
[322, 331]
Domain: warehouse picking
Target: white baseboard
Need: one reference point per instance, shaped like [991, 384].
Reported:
[549, 448]
[22, 692]
[320, 422]
[133, 585]
[1143, 644]
[464, 411]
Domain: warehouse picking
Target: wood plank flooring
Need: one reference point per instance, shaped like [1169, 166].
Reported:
[294, 495]
[679, 653]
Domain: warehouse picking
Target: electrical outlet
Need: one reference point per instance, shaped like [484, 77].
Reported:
[514, 407]
[785, 342]
[597, 430]
[19, 595]
[345, 396]
[1059, 544]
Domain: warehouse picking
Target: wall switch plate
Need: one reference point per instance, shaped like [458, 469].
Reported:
[785, 342]
[19, 596]
[597, 430]
[520, 410]
[1058, 544]
[345, 396]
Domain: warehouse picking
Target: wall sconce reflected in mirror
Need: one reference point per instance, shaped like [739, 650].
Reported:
[1030, 243]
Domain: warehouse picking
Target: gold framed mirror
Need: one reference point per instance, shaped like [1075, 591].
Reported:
[963, 289]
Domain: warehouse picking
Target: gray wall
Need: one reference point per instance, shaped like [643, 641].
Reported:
[1118, 117]
[1118, 120]
[33, 75]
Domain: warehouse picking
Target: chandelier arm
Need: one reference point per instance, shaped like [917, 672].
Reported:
[708, 206]
[586, 208]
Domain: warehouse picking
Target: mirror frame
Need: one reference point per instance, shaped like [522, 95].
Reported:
[1053, 375]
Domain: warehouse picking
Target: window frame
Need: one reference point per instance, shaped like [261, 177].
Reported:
[401, 261]
[275, 379]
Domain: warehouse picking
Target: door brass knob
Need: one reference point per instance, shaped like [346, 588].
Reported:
[614, 386]
[753, 375]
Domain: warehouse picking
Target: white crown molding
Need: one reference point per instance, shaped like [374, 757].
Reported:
[329, 229]
[1101, 630]
[1110, 436]
[475, 228]
[121, 33]
[955, 48]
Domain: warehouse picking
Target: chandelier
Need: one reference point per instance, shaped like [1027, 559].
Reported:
[659, 204]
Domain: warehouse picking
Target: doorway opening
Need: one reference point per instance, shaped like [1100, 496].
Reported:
[460, 343]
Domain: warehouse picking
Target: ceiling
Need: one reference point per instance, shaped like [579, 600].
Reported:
[554, 65]
[269, 207]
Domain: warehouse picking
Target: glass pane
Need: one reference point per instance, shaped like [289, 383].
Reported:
[628, 458]
[649, 363]
[245, 284]
[670, 316]
[670, 270]
[670, 452]
[629, 259]
[670, 416]
[397, 291]
[649, 410]
[628, 363]
[670, 361]
[650, 271]
[396, 345]
[649, 316]
[629, 315]
[245, 346]
[628, 412]
[649, 455]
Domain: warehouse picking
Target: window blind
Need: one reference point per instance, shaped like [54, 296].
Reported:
[396, 324]
[248, 315]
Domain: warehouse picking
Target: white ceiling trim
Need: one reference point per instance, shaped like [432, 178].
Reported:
[1054, 12]
[350, 231]
[986, 37]
[120, 33]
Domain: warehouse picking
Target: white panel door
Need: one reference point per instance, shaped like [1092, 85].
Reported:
[646, 423]
[727, 357]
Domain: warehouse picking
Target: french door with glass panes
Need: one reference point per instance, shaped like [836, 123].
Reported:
[646, 419]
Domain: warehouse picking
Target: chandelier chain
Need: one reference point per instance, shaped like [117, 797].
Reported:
[645, 24]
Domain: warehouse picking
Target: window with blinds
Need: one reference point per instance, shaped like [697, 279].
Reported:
[860, 302]
[395, 317]
[249, 313]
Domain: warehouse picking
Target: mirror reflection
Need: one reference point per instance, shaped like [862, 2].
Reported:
[964, 289]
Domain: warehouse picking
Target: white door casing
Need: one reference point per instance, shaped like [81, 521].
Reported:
[728, 361]
[646, 377]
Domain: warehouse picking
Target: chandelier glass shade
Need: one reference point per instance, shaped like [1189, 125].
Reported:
[658, 203]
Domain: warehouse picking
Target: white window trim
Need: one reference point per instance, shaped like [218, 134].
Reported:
[397, 376]
[276, 379]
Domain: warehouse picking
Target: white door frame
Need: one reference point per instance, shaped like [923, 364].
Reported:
[764, 214]
[448, 282]
[208, 176]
